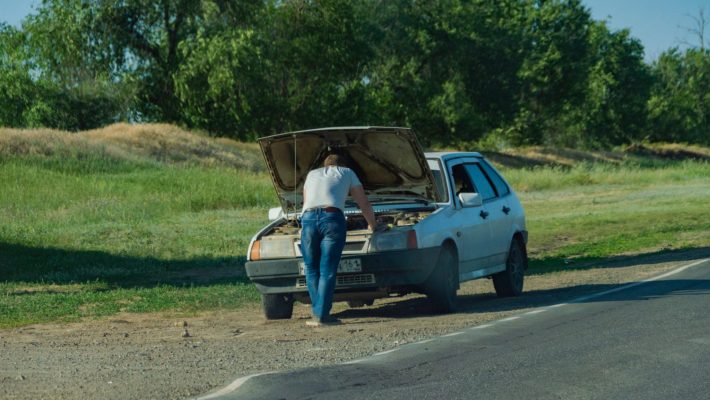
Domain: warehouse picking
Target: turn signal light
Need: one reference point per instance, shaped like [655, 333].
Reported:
[255, 253]
[412, 239]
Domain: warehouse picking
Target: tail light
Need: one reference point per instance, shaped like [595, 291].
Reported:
[412, 239]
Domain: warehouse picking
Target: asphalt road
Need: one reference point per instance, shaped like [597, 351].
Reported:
[650, 341]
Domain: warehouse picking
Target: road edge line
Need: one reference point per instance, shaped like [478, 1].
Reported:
[634, 284]
[236, 384]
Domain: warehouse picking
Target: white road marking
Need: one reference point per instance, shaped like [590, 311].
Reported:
[240, 381]
[513, 318]
[631, 285]
[480, 326]
[356, 361]
[231, 387]
[382, 353]
[556, 305]
[538, 311]
[452, 334]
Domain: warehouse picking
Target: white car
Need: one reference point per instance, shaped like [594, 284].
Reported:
[452, 218]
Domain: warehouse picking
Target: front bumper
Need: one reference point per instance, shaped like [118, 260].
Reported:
[388, 269]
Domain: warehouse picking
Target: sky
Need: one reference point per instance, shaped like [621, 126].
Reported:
[659, 24]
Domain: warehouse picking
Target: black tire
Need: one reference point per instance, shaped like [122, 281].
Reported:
[360, 303]
[277, 306]
[444, 281]
[509, 283]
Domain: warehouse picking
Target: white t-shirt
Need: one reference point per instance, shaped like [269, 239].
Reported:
[328, 187]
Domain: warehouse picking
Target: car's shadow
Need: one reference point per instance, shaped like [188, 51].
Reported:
[488, 302]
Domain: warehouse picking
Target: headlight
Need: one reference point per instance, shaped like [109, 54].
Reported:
[394, 240]
[272, 248]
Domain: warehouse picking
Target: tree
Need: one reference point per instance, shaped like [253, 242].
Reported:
[554, 72]
[679, 107]
[446, 67]
[618, 88]
[145, 36]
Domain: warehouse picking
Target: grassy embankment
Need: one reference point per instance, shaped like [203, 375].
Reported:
[152, 218]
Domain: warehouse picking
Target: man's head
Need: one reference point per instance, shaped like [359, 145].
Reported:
[334, 160]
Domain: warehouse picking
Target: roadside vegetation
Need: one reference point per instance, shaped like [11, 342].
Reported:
[500, 73]
[153, 218]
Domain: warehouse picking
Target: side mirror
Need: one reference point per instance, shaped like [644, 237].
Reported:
[275, 213]
[471, 199]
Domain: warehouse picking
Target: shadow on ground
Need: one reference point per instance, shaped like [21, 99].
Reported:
[486, 303]
[554, 264]
[20, 263]
[489, 302]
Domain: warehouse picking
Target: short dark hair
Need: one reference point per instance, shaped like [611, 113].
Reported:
[334, 160]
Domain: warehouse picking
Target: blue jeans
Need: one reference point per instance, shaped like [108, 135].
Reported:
[322, 241]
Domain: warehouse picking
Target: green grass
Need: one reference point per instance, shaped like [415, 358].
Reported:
[92, 233]
[95, 238]
[592, 212]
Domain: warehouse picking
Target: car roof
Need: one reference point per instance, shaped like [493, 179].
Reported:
[448, 155]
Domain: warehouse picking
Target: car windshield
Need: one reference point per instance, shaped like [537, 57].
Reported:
[439, 182]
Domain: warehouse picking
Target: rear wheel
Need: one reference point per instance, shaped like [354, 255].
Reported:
[277, 306]
[444, 281]
[509, 283]
[360, 303]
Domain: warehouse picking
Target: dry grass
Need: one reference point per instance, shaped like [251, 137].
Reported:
[546, 156]
[650, 154]
[161, 143]
[164, 143]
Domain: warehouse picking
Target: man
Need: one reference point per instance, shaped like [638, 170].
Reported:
[324, 229]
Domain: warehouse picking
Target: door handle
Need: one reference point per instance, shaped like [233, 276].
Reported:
[506, 210]
[483, 214]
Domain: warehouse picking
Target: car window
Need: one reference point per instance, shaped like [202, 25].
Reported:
[498, 182]
[440, 185]
[480, 181]
[462, 182]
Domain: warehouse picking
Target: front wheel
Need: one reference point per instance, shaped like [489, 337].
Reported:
[277, 306]
[444, 281]
[509, 283]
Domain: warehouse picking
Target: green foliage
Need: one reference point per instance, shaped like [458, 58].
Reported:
[679, 108]
[554, 70]
[42, 84]
[618, 87]
[510, 72]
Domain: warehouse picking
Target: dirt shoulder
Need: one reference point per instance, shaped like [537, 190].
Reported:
[140, 356]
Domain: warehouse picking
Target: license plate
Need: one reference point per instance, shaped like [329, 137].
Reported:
[346, 265]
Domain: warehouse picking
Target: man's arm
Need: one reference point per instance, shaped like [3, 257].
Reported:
[358, 194]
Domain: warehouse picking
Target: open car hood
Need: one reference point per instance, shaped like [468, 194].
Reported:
[389, 162]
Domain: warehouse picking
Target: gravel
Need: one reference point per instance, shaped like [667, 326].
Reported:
[162, 356]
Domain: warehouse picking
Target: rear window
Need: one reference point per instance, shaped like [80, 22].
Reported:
[498, 182]
[483, 186]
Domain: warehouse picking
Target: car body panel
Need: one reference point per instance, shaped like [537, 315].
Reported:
[481, 244]
[388, 161]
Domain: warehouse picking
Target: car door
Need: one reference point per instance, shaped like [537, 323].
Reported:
[473, 231]
[497, 214]
[501, 218]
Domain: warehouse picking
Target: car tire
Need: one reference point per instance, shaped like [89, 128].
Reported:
[444, 281]
[509, 283]
[277, 306]
[360, 303]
